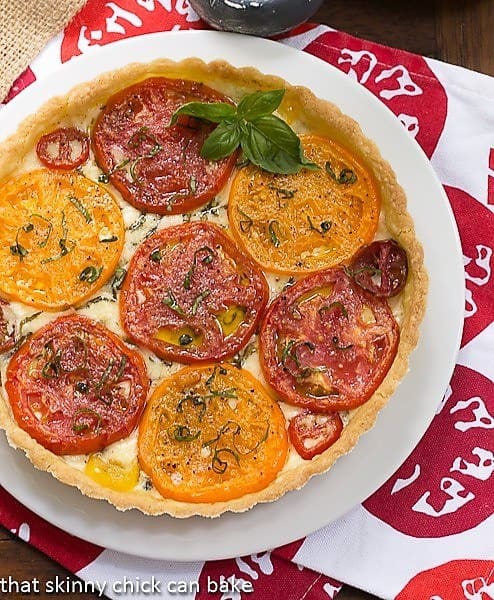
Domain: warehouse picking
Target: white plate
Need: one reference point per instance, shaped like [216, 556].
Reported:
[399, 426]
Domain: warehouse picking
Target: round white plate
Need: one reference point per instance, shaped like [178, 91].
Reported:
[399, 426]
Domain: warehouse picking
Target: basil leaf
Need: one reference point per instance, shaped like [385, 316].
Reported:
[283, 136]
[214, 111]
[259, 104]
[221, 142]
[268, 154]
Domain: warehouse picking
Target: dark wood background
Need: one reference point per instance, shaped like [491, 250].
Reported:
[456, 31]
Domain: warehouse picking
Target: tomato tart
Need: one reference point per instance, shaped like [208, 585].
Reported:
[209, 287]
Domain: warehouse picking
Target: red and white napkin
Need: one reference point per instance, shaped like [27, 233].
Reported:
[428, 532]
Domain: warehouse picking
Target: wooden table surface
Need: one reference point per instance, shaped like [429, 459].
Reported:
[456, 31]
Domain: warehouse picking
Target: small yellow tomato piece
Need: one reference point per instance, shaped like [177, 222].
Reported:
[113, 474]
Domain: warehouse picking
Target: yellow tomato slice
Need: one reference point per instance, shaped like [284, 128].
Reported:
[60, 239]
[211, 434]
[308, 221]
[113, 474]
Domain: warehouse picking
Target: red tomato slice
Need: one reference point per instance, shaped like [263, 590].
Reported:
[326, 344]
[380, 268]
[191, 296]
[75, 387]
[155, 167]
[312, 433]
[7, 338]
[65, 148]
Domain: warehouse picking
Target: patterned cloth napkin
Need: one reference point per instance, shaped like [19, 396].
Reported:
[428, 532]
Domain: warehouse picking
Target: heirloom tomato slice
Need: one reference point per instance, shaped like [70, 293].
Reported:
[155, 167]
[190, 295]
[326, 344]
[211, 434]
[380, 268]
[60, 239]
[313, 433]
[308, 221]
[75, 387]
[65, 148]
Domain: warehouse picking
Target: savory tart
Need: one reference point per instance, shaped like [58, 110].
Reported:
[209, 287]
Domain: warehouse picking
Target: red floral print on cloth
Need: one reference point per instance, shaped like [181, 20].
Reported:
[478, 244]
[267, 572]
[71, 552]
[402, 81]
[455, 580]
[446, 485]
[21, 83]
[98, 23]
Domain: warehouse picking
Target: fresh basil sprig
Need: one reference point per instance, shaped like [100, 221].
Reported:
[266, 140]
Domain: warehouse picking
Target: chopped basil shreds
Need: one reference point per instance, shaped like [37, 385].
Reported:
[274, 230]
[246, 223]
[220, 466]
[138, 223]
[104, 378]
[90, 274]
[336, 344]
[97, 300]
[239, 359]
[261, 441]
[229, 393]
[155, 255]
[346, 176]
[371, 270]
[43, 242]
[217, 369]
[282, 192]
[196, 401]
[172, 303]
[137, 138]
[51, 369]
[206, 260]
[185, 339]
[113, 238]
[62, 242]
[18, 249]
[181, 433]
[118, 280]
[105, 177]
[121, 368]
[79, 425]
[27, 320]
[81, 208]
[332, 306]
[325, 226]
[197, 301]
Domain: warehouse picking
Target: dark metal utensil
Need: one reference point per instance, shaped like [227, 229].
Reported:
[255, 17]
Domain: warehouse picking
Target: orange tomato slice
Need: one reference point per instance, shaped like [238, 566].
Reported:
[60, 240]
[308, 221]
[211, 434]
